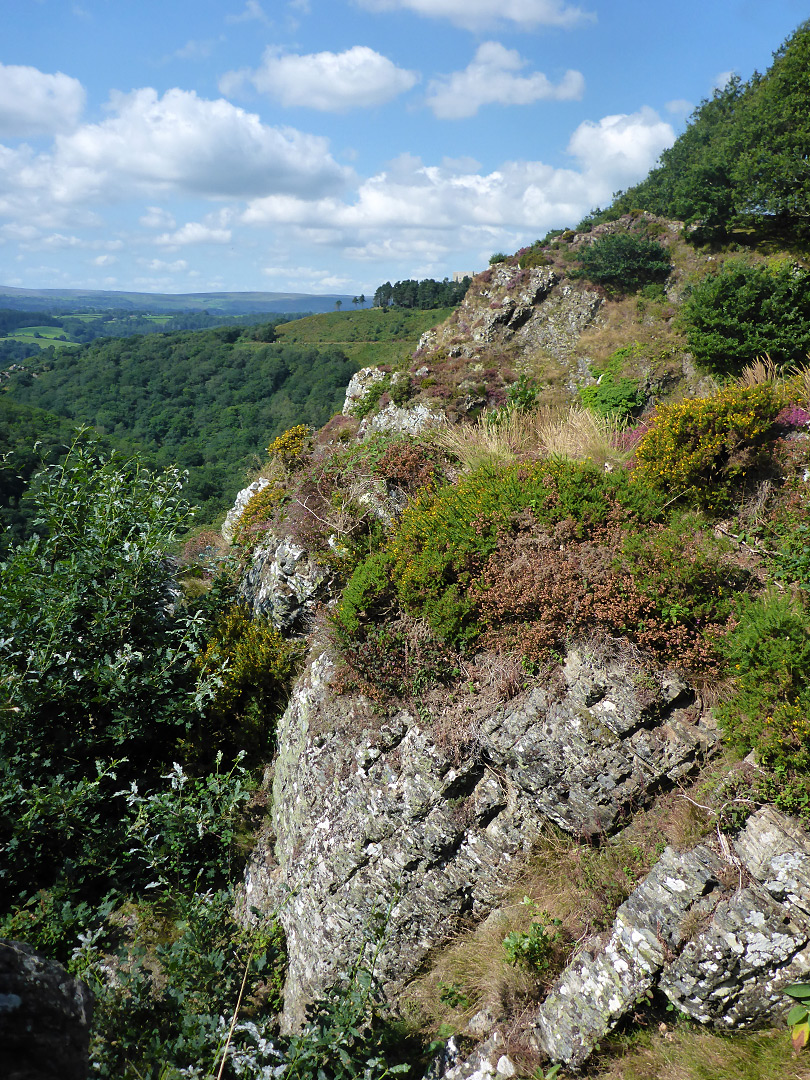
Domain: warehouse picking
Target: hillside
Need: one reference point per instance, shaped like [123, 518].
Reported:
[477, 744]
[376, 336]
[225, 303]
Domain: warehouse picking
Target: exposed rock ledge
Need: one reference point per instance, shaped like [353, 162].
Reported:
[368, 813]
[723, 955]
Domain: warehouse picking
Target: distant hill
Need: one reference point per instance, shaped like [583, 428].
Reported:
[225, 303]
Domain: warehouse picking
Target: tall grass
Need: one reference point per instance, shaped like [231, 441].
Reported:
[576, 434]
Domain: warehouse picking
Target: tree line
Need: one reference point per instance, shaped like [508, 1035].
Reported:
[427, 293]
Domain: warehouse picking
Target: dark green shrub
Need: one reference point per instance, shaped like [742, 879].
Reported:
[623, 263]
[612, 396]
[742, 312]
[769, 711]
[498, 257]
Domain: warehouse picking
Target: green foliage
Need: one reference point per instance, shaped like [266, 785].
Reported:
[743, 311]
[257, 667]
[698, 447]
[744, 155]
[425, 294]
[259, 511]
[498, 257]
[623, 262]
[798, 1019]
[178, 980]
[612, 396]
[445, 537]
[198, 400]
[769, 651]
[534, 947]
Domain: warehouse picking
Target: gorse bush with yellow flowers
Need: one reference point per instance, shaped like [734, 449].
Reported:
[701, 448]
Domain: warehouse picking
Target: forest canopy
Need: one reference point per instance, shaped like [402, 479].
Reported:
[206, 401]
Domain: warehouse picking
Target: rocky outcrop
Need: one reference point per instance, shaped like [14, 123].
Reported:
[285, 584]
[240, 502]
[359, 385]
[530, 310]
[45, 1017]
[721, 956]
[395, 420]
[423, 818]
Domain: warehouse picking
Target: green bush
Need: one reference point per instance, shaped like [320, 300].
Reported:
[769, 710]
[742, 312]
[699, 447]
[612, 396]
[623, 263]
[445, 537]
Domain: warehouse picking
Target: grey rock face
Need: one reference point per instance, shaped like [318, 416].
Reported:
[359, 385]
[530, 309]
[393, 419]
[729, 970]
[285, 584]
[371, 814]
[594, 992]
[45, 1017]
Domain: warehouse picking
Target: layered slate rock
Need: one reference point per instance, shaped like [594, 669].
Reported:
[285, 583]
[595, 992]
[758, 942]
[45, 1017]
[722, 955]
[371, 812]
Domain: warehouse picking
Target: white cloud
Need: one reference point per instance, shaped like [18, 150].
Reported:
[33, 103]
[476, 14]
[104, 260]
[158, 264]
[157, 218]
[621, 149]
[430, 211]
[679, 108]
[722, 79]
[183, 143]
[253, 11]
[194, 232]
[491, 78]
[332, 82]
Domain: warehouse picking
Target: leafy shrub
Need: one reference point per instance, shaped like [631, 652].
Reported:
[768, 711]
[257, 667]
[534, 947]
[697, 447]
[619, 397]
[498, 257]
[623, 263]
[289, 447]
[742, 311]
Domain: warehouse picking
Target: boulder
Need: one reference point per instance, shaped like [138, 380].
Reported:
[45, 1017]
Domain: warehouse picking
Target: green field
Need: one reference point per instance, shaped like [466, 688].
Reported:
[369, 336]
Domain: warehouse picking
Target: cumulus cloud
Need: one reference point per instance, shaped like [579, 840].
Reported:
[332, 82]
[491, 78]
[621, 149]
[411, 204]
[476, 14]
[187, 144]
[157, 218]
[194, 232]
[34, 103]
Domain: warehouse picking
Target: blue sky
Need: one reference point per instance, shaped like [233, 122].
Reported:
[329, 145]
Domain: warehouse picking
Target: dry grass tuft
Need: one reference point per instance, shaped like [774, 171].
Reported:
[760, 371]
[491, 441]
[580, 434]
[576, 434]
[692, 1054]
